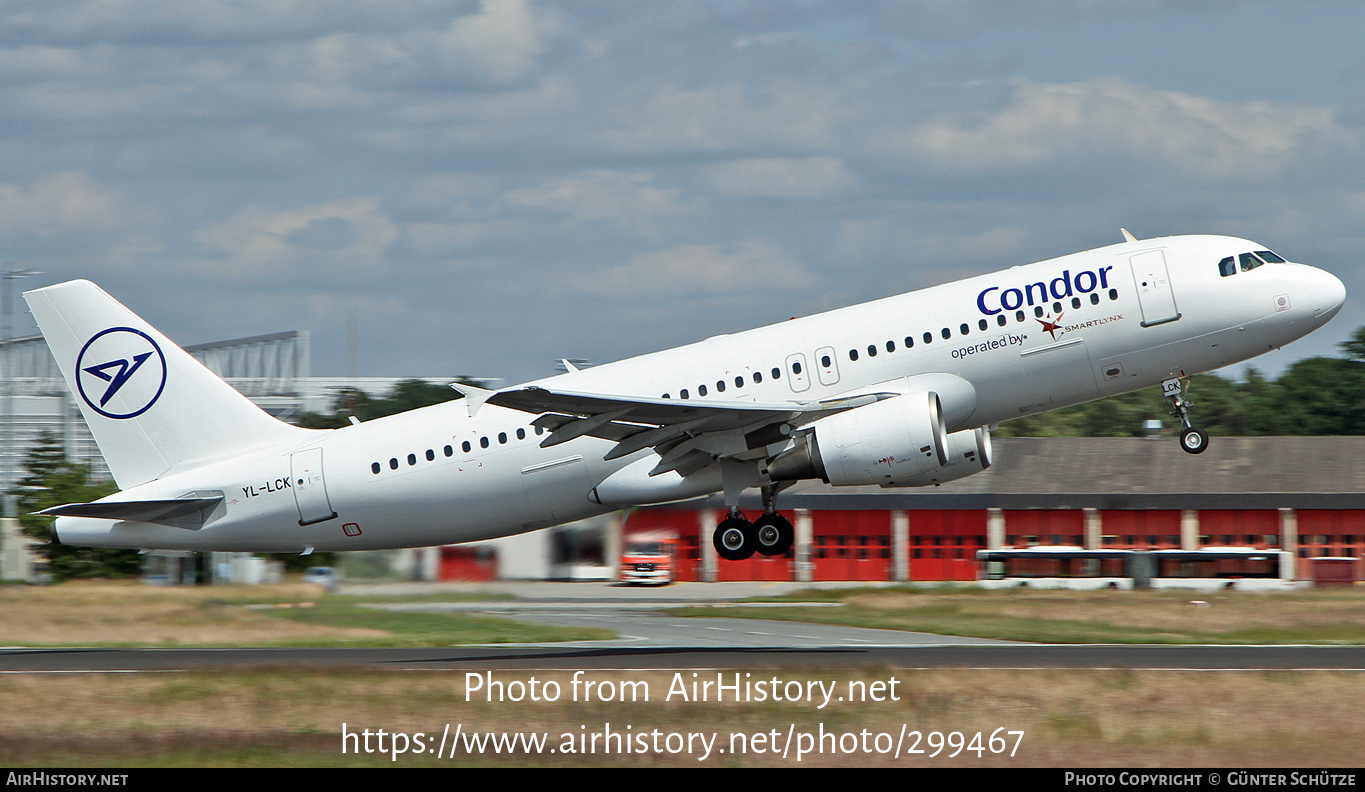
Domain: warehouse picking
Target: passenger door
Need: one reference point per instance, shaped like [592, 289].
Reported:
[1153, 284]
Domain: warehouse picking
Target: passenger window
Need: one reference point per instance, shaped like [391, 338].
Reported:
[758, 377]
[825, 361]
[449, 451]
[1113, 294]
[483, 442]
[666, 396]
[502, 438]
[1094, 298]
[739, 382]
[964, 328]
[909, 342]
[777, 373]
[1075, 302]
[701, 390]
[1038, 311]
[796, 368]
[871, 350]
[946, 333]
[466, 447]
[982, 323]
[683, 393]
[375, 468]
[431, 455]
[1057, 307]
[393, 463]
[1018, 316]
[890, 346]
[412, 459]
[521, 433]
[928, 338]
[1227, 266]
[539, 431]
[1270, 257]
[720, 386]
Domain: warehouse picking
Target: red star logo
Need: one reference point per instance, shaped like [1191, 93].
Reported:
[1052, 327]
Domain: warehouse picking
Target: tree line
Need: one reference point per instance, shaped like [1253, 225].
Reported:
[1314, 396]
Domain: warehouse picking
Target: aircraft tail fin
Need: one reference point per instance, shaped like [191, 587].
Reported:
[152, 408]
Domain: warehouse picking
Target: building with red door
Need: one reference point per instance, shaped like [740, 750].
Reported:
[1304, 496]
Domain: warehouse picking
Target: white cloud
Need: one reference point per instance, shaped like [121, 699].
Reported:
[1104, 120]
[435, 239]
[623, 199]
[729, 117]
[812, 177]
[503, 40]
[341, 236]
[189, 20]
[65, 203]
[934, 19]
[702, 269]
[443, 190]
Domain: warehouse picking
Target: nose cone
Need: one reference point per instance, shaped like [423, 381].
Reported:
[1329, 293]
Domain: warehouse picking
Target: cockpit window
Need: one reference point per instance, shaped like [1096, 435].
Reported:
[1227, 266]
[1249, 262]
[1270, 257]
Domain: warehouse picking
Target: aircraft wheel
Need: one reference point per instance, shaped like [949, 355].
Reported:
[1194, 441]
[775, 534]
[735, 539]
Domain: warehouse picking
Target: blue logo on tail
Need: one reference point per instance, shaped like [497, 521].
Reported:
[126, 367]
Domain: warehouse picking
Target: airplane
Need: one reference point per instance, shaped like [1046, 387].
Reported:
[898, 392]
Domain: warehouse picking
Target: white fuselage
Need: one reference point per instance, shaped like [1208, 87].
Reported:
[1037, 337]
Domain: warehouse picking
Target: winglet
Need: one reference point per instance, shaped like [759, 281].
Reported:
[1127, 236]
[569, 367]
[473, 397]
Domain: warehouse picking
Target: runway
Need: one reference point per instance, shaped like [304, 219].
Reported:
[579, 656]
[650, 637]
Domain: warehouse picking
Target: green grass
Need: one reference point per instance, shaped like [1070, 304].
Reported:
[428, 629]
[129, 615]
[291, 717]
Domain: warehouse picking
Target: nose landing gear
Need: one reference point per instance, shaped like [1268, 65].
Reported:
[1192, 439]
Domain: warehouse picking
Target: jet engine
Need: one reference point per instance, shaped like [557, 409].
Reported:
[880, 443]
[969, 451]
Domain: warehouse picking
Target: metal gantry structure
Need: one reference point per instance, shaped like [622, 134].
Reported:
[272, 370]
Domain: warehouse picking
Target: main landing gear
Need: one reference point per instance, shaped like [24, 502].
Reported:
[771, 534]
[1192, 440]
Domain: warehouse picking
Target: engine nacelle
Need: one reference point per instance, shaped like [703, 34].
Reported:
[969, 451]
[885, 443]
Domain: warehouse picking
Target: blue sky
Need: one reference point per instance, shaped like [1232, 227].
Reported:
[487, 186]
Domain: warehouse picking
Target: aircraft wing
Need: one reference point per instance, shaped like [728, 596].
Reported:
[688, 435]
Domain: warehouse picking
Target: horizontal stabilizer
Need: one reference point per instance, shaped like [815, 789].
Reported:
[178, 512]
